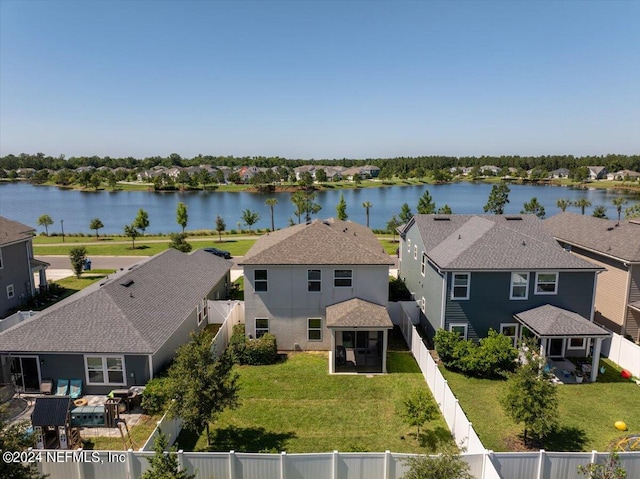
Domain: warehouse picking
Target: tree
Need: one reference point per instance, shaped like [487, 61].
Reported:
[94, 181]
[96, 224]
[15, 437]
[580, 174]
[417, 409]
[78, 256]
[445, 210]
[534, 207]
[46, 221]
[164, 464]
[600, 211]
[182, 217]
[367, 205]
[341, 209]
[304, 203]
[132, 232]
[610, 469]
[531, 398]
[204, 178]
[250, 217]
[443, 466]
[306, 180]
[632, 211]
[405, 213]
[563, 204]
[357, 179]
[179, 242]
[271, 202]
[426, 205]
[619, 202]
[183, 178]
[141, 221]
[220, 227]
[498, 199]
[202, 386]
[321, 175]
[582, 203]
[392, 226]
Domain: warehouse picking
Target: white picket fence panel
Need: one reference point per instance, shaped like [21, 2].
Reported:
[623, 352]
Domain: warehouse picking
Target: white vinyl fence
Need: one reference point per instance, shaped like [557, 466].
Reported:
[14, 319]
[622, 352]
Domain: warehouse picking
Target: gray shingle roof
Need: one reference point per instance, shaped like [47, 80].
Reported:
[550, 320]
[597, 234]
[492, 242]
[110, 317]
[12, 231]
[357, 313]
[319, 242]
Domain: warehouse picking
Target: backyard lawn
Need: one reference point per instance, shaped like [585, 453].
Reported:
[114, 442]
[296, 406]
[587, 411]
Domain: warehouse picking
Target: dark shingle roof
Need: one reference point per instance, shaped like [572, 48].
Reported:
[492, 242]
[12, 231]
[597, 234]
[357, 313]
[550, 320]
[319, 242]
[51, 411]
[111, 317]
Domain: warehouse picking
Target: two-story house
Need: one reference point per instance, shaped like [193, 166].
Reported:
[17, 266]
[321, 286]
[616, 248]
[470, 273]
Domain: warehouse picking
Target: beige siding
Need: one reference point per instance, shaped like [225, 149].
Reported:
[632, 326]
[610, 296]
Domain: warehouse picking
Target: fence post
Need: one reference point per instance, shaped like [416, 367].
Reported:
[180, 460]
[455, 413]
[594, 457]
[334, 471]
[387, 464]
[130, 457]
[283, 460]
[444, 394]
[486, 456]
[232, 464]
[80, 468]
[540, 464]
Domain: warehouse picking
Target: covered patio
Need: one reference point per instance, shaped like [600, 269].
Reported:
[359, 337]
[39, 270]
[564, 333]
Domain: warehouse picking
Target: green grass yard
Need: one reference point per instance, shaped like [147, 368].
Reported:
[296, 406]
[587, 411]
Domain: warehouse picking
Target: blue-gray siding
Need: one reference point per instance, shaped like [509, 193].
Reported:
[16, 271]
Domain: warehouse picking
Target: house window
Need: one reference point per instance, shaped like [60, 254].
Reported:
[461, 282]
[10, 291]
[510, 330]
[519, 286]
[415, 252]
[314, 329]
[422, 304]
[342, 278]
[314, 280]
[460, 328]
[260, 280]
[546, 283]
[201, 309]
[577, 343]
[409, 245]
[262, 326]
[105, 370]
[423, 264]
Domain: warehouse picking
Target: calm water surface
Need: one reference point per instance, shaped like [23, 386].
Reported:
[25, 203]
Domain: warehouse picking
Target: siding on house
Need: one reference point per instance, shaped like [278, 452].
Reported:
[632, 326]
[16, 271]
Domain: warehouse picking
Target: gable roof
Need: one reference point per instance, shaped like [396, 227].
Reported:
[12, 231]
[358, 313]
[597, 234]
[134, 312]
[492, 242]
[548, 320]
[318, 242]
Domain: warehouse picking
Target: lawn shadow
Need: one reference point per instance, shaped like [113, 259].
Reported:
[566, 438]
[435, 439]
[249, 439]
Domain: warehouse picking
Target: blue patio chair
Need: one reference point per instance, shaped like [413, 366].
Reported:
[75, 388]
[63, 387]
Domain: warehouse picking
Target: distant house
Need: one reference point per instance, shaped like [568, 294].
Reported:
[370, 171]
[321, 286]
[489, 170]
[624, 175]
[616, 248]
[472, 273]
[248, 172]
[120, 332]
[560, 173]
[18, 266]
[597, 172]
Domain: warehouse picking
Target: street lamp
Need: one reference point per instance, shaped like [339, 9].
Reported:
[62, 226]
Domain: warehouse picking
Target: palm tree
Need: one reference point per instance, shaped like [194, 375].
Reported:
[366, 205]
[582, 203]
[619, 202]
[271, 202]
[563, 204]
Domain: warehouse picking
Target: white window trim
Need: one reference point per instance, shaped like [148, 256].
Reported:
[314, 280]
[309, 329]
[584, 344]
[458, 325]
[409, 245]
[334, 278]
[11, 289]
[422, 304]
[535, 290]
[105, 371]
[515, 336]
[266, 281]
[511, 284]
[423, 264]
[265, 330]
[453, 286]
[415, 252]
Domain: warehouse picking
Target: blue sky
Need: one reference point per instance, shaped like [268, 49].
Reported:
[319, 80]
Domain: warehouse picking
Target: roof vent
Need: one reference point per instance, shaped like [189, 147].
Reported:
[441, 218]
[127, 283]
[513, 218]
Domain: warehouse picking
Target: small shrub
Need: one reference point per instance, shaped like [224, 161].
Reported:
[237, 343]
[155, 396]
[398, 290]
[443, 466]
[445, 343]
[253, 352]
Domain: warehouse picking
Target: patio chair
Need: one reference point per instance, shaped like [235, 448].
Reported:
[63, 387]
[75, 388]
[46, 386]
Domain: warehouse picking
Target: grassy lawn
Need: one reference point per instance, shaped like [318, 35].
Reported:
[587, 411]
[296, 406]
[139, 434]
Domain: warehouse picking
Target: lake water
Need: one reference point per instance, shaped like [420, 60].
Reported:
[25, 203]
